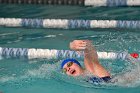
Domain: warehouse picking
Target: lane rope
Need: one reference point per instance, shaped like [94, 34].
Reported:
[32, 53]
[69, 24]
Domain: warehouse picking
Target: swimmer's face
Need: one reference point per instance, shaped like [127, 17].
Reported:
[72, 69]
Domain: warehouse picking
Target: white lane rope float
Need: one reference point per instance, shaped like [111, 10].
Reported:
[32, 53]
[76, 2]
[69, 23]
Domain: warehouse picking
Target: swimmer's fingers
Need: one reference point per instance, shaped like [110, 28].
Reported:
[81, 47]
[85, 42]
[80, 41]
[78, 47]
[80, 44]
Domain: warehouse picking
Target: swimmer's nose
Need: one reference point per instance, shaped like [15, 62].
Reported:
[68, 69]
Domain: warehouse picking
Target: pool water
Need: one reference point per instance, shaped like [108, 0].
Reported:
[43, 76]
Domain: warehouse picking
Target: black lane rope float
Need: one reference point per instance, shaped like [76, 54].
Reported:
[76, 2]
[49, 2]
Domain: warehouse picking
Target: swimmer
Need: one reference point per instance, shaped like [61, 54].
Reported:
[73, 68]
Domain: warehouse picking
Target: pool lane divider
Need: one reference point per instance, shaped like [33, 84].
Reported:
[69, 23]
[76, 2]
[32, 53]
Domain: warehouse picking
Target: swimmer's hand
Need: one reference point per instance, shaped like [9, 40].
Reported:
[80, 45]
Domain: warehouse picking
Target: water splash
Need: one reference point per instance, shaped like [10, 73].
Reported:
[129, 78]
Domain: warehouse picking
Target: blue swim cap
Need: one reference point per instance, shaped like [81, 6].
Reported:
[69, 60]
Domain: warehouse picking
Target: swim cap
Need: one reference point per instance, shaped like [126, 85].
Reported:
[69, 60]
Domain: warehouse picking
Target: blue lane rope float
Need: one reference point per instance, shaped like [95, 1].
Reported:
[32, 53]
[32, 23]
[76, 2]
[69, 24]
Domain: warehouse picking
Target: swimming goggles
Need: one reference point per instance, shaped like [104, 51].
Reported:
[69, 64]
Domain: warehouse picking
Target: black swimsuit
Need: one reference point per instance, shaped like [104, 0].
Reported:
[99, 80]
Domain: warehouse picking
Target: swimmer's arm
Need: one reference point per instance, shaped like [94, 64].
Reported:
[90, 55]
[92, 63]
